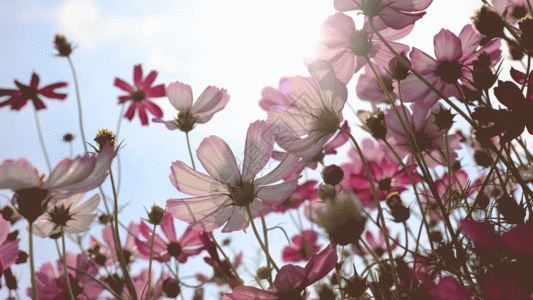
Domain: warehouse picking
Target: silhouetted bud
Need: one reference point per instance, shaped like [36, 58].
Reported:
[374, 123]
[483, 76]
[10, 214]
[526, 39]
[105, 137]
[482, 201]
[399, 211]
[97, 255]
[32, 202]
[116, 283]
[22, 258]
[482, 159]
[460, 133]
[444, 119]
[456, 167]
[355, 285]
[171, 287]
[105, 219]
[68, 137]
[325, 292]
[435, 236]
[385, 274]
[514, 52]
[11, 281]
[511, 211]
[62, 45]
[326, 192]
[264, 273]
[397, 70]
[226, 241]
[12, 235]
[488, 22]
[156, 215]
[332, 175]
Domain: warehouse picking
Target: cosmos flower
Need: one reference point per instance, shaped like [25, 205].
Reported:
[108, 248]
[222, 196]
[396, 14]
[211, 101]
[67, 213]
[140, 95]
[19, 98]
[306, 122]
[303, 246]
[379, 247]
[70, 176]
[188, 245]
[516, 9]
[455, 56]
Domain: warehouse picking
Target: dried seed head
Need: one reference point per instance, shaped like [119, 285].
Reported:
[105, 137]
[62, 45]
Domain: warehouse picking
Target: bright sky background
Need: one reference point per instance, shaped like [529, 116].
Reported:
[242, 46]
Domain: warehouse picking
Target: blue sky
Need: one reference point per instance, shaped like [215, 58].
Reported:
[242, 46]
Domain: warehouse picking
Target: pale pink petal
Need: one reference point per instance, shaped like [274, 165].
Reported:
[168, 228]
[273, 195]
[238, 220]
[344, 5]
[195, 209]
[257, 151]
[284, 168]
[370, 239]
[194, 183]
[89, 206]
[218, 160]
[70, 171]
[191, 238]
[447, 46]
[399, 20]
[16, 175]
[321, 264]
[209, 100]
[171, 125]
[180, 96]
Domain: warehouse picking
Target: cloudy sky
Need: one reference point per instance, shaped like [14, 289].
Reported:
[239, 45]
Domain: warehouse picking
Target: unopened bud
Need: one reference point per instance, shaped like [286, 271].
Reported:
[105, 219]
[171, 287]
[399, 211]
[156, 215]
[444, 119]
[526, 39]
[325, 292]
[512, 212]
[374, 123]
[264, 273]
[397, 70]
[62, 45]
[488, 22]
[326, 192]
[516, 53]
[355, 285]
[332, 175]
[482, 159]
[68, 137]
[105, 137]
[482, 74]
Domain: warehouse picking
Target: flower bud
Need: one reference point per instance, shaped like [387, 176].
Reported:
[264, 273]
[514, 52]
[325, 292]
[488, 22]
[374, 123]
[355, 285]
[156, 215]
[512, 212]
[68, 138]
[397, 70]
[483, 76]
[332, 175]
[10, 214]
[444, 119]
[326, 192]
[62, 45]
[171, 287]
[342, 219]
[526, 39]
[482, 159]
[399, 211]
[105, 219]
[105, 137]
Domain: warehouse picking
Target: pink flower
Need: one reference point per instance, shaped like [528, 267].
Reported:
[140, 281]
[291, 280]
[454, 64]
[222, 196]
[430, 140]
[345, 47]
[182, 249]
[378, 247]
[19, 98]
[396, 14]
[368, 87]
[70, 176]
[108, 249]
[211, 101]
[305, 191]
[67, 213]
[9, 250]
[516, 9]
[222, 271]
[304, 245]
[305, 123]
[140, 95]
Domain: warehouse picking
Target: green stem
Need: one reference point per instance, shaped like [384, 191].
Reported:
[190, 151]
[150, 264]
[64, 259]
[34, 293]
[80, 118]
[250, 216]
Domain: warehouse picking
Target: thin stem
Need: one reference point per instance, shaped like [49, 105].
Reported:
[102, 284]
[41, 140]
[190, 151]
[150, 263]
[225, 256]
[119, 165]
[80, 118]
[265, 233]
[259, 238]
[34, 293]
[64, 259]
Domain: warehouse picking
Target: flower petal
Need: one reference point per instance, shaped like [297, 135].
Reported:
[218, 160]
[180, 96]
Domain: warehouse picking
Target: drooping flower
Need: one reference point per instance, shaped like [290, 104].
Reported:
[140, 95]
[188, 245]
[222, 196]
[396, 14]
[431, 141]
[304, 245]
[454, 64]
[19, 98]
[346, 47]
[211, 101]
[511, 121]
[71, 176]
[67, 213]
[305, 123]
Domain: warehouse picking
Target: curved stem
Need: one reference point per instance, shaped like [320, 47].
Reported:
[64, 259]
[34, 293]
[250, 216]
[190, 151]
[41, 140]
[80, 117]
[119, 165]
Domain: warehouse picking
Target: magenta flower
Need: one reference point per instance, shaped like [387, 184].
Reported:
[511, 121]
[71, 176]
[19, 98]
[211, 101]
[291, 280]
[379, 247]
[368, 87]
[140, 281]
[140, 95]
[108, 249]
[304, 245]
[516, 9]
[454, 64]
[430, 140]
[182, 249]
[345, 47]
[306, 122]
[396, 14]
[9, 250]
[303, 192]
[221, 197]
[388, 178]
